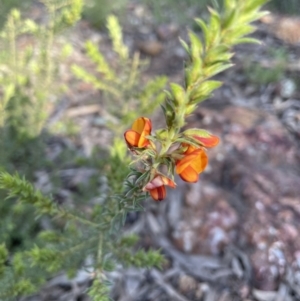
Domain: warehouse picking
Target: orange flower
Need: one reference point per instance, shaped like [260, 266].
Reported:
[209, 141]
[136, 137]
[192, 164]
[157, 187]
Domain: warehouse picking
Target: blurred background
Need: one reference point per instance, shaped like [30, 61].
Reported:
[96, 11]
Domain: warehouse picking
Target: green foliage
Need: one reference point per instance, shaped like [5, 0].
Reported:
[260, 75]
[142, 259]
[115, 32]
[99, 290]
[96, 11]
[208, 56]
[28, 77]
[3, 258]
[125, 95]
[170, 10]
[79, 236]
[27, 72]
[26, 193]
[7, 5]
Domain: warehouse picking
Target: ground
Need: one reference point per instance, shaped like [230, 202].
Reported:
[233, 235]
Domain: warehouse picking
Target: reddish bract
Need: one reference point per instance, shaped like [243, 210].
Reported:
[210, 141]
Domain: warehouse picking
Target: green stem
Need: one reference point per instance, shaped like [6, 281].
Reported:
[12, 46]
[99, 255]
[66, 214]
[49, 44]
[78, 247]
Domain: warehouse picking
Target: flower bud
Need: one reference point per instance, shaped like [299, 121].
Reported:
[157, 186]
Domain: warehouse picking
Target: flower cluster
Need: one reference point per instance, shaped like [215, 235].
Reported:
[187, 158]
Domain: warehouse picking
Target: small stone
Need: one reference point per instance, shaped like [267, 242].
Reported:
[152, 48]
[187, 284]
[287, 88]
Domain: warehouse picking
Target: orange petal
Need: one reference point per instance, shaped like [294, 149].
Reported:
[190, 149]
[142, 124]
[145, 132]
[208, 141]
[168, 182]
[143, 127]
[147, 126]
[189, 175]
[200, 162]
[143, 142]
[187, 161]
[159, 193]
[132, 138]
[138, 125]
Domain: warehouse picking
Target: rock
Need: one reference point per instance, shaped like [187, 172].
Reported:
[186, 284]
[152, 48]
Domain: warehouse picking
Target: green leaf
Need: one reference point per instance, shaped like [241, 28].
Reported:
[205, 30]
[197, 132]
[169, 112]
[3, 258]
[130, 192]
[129, 240]
[247, 40]
[194, 72]
[239, 32]
[161, 134]
[96, 56]
[178, 93]
[216, 68]
[203, 90]
[193, 104]
[184, 45]
[230, 5]
[196, 46]
[116, 36]
[142, 178]
[254, 5]
[214, 33]
[19, 264]
[230, 18]
[218, 54]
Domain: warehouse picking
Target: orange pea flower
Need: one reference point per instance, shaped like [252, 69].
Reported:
[192, 164]
[157, 187]
[209, 141]
[136, 137]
